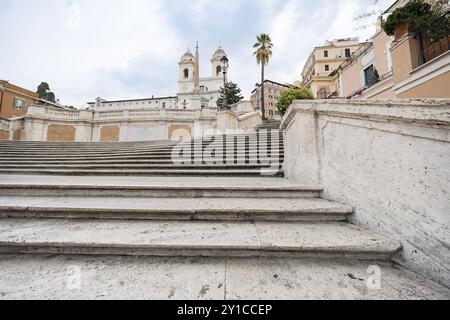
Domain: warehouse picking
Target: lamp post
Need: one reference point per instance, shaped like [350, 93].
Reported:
[225, 62]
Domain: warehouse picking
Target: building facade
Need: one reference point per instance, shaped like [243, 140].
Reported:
[319, 73]
[148, 103]
[272, 93]
[369, 73]
[406, 65]
[195, 91]
[14, 100]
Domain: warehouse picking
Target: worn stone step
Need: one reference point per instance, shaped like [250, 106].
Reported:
[123, 166]
[205, 209]
[186, 238]
[102, 149]
[149, 172]
[253, 136]
[126, 158]
[42, 277]
[159, 187]
[126, 161]
[168, 151]
[43, 146]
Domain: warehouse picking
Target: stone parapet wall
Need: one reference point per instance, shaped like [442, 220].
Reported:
[388, 159]
[48, 124]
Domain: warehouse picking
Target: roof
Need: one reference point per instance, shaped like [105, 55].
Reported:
[17, 88]
[219, 52]
[187, 56]
[135, 100]
[274, 82]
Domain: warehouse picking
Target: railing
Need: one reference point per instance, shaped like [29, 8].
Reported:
[357, 54]
[137, 114]
[4, 124]
[155, 114]
[143, 113]
[436, 44]
[110, 115]
[71, 114]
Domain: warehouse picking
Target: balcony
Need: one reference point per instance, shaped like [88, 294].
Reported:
[436, 44]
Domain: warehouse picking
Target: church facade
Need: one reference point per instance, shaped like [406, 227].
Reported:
[194, 92]
[191, 86]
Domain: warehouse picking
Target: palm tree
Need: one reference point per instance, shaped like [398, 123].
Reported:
[263, 54]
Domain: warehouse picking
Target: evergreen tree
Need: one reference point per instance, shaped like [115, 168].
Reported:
[44, 92]
[233, 93]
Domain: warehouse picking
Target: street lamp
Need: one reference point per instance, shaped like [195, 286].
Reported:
[224, 62]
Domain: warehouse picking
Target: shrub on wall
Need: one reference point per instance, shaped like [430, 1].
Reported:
[288, 96]
[418, 15]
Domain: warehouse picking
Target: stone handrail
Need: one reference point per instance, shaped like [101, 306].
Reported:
[72, 114]
[155, 114]
[425, 111]
[4, 124]
[135, 114]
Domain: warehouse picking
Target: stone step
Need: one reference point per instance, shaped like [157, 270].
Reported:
[119, 159]
[103, 149]
[155, 187]
[149, 172]
[43, 277]
[127, 157]
[24, 161]
[192, 239]
[123, 166]
[75, 146]
[137, 143]
[204, 209]
[64, 152]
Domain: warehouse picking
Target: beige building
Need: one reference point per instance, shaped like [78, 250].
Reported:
[272, 93]
[319, 73]
[406, 65]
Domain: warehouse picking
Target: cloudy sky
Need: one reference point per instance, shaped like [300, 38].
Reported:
[130, 48]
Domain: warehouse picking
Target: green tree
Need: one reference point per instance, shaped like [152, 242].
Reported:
[233, 94]
[288, 96]
[420, 16]
[263, 54]
[44, 92]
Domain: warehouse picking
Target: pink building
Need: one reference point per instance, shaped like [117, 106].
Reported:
[368, 74]
[406, 65]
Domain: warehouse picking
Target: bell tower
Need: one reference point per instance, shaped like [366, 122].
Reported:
[215, 62]
[186, 78]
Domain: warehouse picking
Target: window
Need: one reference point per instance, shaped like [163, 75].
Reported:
[218, 70]
[369, 76]
[348, 53]
[327, 67]
[164, 105]
[20, 104]
[186, 73]
[325, 53]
